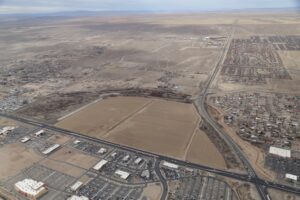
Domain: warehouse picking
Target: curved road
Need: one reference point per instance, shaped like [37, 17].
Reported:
[200, 103]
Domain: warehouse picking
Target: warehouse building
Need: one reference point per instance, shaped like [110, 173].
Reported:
[31, 189]
[99, 165]
[280, 152]
[51, 149]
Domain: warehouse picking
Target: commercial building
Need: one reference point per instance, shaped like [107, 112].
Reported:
[74, 197]
[99, 165]
[76, 186]
[122, 174]
[280, 152]
[138, 161]
[102, 151]
[6, 129]
[291, 177]
[51, 149]
[39, 133]
[170, 165]
[30, 188]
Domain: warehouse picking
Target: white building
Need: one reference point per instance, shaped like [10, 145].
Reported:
[76, 186]
[25, 139]
[39, 133]
[100, 164]
[74, 197]
[102, 151]
[122, 174]
[31, 188]
[6, 129]
[76, 142]
[138, 161]
[291, 177]
[170, 165]
[280, 152]
[50, 149]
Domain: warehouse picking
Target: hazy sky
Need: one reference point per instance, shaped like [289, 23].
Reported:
[39, 6]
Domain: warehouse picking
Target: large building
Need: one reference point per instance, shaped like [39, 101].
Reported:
[31, 189]
[280, 152]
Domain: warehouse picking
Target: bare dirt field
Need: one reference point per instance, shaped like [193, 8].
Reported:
[202, 150]
[155, 125]
[98, 118]
[59, 139]
[14, 158]
[63, 168]
[74, 157]
[163, 127]
[152, 191]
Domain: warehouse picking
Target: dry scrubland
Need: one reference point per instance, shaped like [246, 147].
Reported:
[155, 125]
[69, 60]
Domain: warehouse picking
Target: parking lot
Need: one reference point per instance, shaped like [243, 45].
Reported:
[99, 188]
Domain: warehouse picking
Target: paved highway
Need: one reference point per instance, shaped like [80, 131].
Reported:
[201, 106]
[242, 177]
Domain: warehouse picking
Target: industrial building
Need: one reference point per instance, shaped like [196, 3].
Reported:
[280, 152]
[51, 149]
[170, 165]
[39, 133]
[102, 150]
[76, 186]
[30, 188]
[74, 197]
[122, 174]
[25, 139]
[291, 177]
[99, 165]
[6, 129]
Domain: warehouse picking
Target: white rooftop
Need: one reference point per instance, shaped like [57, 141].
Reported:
[39, 132]
[50, 149]
[170, 165]
[280, 152]
[74, 197]
[31, 187]
[122, 174]
[6, 129]
[25, 139]
[100, 164]
[76, 186]
[291, 176]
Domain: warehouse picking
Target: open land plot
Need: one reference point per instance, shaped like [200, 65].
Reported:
[156, 125]
[152, 191]
[202, 150]
[74, 157]
[14, 158]
[100, 117]
[63, 167]
[163, 127]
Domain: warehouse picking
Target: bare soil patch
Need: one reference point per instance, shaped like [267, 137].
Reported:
[14, 158]
[74, 157]
[63, 167]
[203, 151]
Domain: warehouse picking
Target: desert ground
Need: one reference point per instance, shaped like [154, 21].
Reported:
[72, 156]
[155, 125]
[14, 158]
[56, 69]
